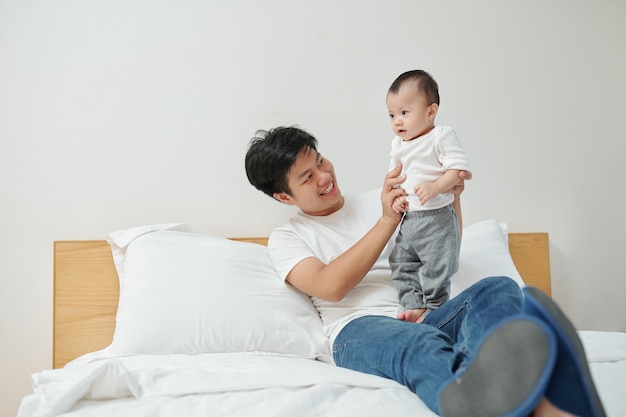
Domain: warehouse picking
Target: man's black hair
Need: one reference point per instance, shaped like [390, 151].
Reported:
[271, 154]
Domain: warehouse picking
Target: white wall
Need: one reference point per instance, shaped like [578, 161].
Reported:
[120, 113]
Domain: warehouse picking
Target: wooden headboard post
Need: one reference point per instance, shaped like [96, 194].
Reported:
[86, 293]
[531, 256]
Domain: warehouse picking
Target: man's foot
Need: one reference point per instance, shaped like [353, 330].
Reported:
[571, 387]
[507, 376]
[415, 315]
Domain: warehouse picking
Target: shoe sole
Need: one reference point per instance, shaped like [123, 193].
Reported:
[544, 308]
[508, 375]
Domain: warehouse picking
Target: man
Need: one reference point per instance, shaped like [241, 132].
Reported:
[490, 351]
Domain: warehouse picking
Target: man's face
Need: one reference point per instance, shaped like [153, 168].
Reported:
[313, 185]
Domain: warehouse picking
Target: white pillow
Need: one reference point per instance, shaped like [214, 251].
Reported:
[187, 292]
[484, 253]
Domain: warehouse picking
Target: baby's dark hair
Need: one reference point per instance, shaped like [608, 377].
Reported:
[426, 84]
[272, 153]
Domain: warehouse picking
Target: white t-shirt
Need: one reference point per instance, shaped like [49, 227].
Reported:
[327, 237]
[425, 159]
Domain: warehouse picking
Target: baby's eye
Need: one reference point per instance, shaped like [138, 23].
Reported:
[405, 112]
[391, 116]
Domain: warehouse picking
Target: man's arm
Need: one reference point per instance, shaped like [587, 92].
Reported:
[334, 280]
[457, 190]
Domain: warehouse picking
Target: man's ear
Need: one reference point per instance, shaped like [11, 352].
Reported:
[283, 198]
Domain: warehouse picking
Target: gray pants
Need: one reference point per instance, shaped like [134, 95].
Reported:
[425, 257]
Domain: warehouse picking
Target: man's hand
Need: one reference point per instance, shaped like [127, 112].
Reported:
[460, 186]
[391, 191]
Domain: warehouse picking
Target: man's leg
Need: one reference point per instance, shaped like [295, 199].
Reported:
[508, 374]
[425, 357]
[571, 388]
[495, 344]
[469, 316]
[417, 356]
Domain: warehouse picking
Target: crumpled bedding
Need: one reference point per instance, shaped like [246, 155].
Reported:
[234, 384]
[257, 384]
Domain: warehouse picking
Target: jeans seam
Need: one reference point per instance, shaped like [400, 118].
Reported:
[464, 306]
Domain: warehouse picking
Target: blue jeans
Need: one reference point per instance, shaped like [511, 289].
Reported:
[425, 357]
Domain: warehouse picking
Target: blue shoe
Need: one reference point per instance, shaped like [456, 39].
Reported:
[571, 387]
[508, 375]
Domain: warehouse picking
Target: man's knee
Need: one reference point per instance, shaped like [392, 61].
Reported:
[501, 287]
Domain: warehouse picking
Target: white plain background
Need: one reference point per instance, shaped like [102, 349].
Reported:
[122, 113]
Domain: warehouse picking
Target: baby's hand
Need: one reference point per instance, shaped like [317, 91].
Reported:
[426, 191]
[400, 205]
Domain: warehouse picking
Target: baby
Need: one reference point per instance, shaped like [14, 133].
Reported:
[426, 252]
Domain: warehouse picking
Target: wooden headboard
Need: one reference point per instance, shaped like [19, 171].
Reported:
[86, 289]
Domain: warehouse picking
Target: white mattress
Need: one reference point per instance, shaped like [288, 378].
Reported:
[259, 385]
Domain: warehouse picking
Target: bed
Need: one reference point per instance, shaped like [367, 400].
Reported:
[169, 320]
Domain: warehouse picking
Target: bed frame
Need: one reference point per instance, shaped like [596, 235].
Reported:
[86, 289]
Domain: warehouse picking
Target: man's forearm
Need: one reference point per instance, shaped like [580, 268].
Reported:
[351, 267]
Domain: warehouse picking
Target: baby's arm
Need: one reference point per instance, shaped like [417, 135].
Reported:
[428, 190]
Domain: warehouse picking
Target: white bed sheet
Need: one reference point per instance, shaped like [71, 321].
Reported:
[214, 384]
[261, 385]
[606, 352]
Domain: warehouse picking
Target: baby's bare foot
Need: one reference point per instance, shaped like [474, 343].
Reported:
[414, 315]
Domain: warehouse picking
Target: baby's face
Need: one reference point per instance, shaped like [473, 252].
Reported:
[410, 115]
